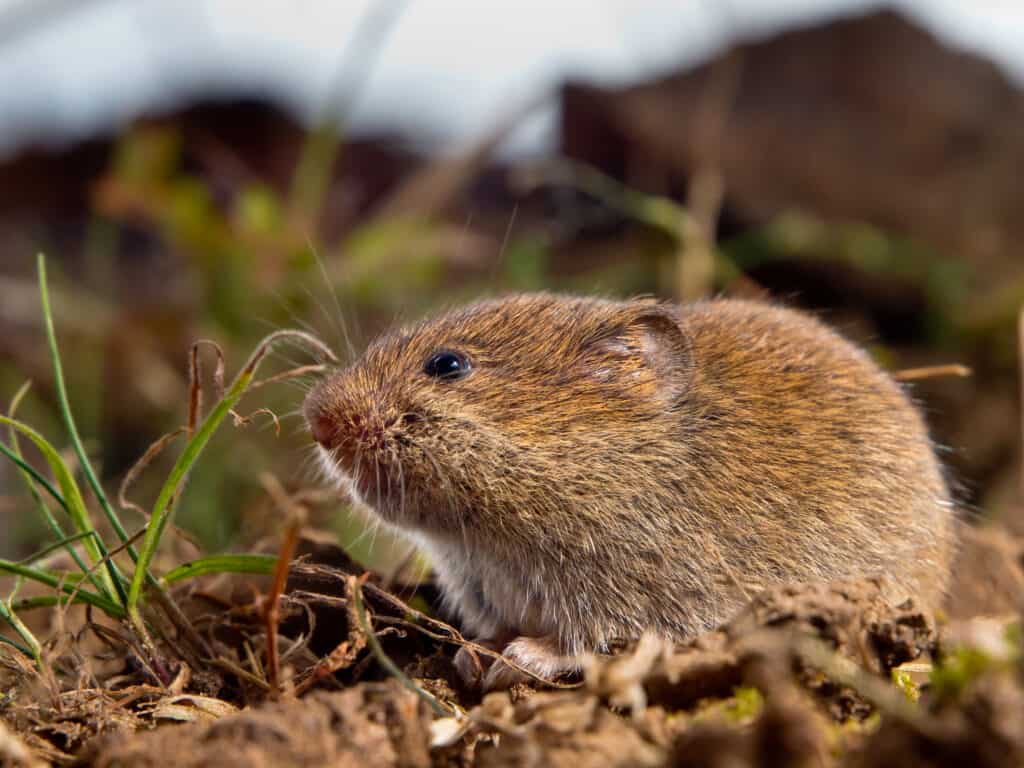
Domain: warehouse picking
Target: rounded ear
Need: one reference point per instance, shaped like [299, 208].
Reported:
[650, 337]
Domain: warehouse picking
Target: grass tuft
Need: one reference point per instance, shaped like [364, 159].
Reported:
[99, 582]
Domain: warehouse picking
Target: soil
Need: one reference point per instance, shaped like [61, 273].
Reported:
[804, 675]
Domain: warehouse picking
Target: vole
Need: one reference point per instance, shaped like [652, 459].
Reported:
[582, 470]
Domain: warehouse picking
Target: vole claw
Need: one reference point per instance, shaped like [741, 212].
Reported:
[539, 655]
[471, 666]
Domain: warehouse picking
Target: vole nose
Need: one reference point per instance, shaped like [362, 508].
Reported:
[322, 428]
[321, 424]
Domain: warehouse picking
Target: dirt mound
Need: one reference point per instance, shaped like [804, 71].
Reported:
[378, 724]
[801, 677]
[804, 675]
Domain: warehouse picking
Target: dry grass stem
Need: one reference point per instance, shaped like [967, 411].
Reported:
[296, 517]
[932, 372]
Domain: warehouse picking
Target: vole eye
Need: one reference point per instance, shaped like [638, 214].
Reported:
[447, 365]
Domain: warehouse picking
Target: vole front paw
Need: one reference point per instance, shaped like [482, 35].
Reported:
[539, 655]
[471, 666]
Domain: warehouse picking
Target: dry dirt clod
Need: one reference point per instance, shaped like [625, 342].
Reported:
[372, 723]
[564, 730]
[801, 677]
[14, 752]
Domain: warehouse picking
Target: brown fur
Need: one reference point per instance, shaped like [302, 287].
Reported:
[614, 467]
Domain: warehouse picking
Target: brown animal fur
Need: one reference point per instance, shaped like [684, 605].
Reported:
[608, 468]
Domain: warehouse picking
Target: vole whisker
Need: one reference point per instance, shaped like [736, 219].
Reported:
[293, 317]
[339, 315]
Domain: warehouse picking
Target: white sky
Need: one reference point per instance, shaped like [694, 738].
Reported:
[448, 69]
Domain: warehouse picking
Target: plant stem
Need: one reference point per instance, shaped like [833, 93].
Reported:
[75, 503]
[32, 647]
[29, 470]
[221, 564]
[69, 423]
[32, 477]
[386, 661]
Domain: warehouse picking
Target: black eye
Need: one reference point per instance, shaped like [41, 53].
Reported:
[446, 365]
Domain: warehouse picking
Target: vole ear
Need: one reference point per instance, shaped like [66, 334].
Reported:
[648, 345]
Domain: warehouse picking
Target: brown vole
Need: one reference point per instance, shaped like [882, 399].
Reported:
[581, 470]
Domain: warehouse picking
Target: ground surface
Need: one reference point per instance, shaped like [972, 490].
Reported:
[803, 676]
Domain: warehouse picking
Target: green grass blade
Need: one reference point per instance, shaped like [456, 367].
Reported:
[45, 601]
[31, 478]
[32, 648]
[386, 661]
[75, 503]
[4, 640]
[65, 542]
[69, 423]
[263, 564]
[65, 582]
[31, 472]
[41, 601]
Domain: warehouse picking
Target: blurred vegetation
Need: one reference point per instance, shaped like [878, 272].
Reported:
[251, 254]
[256, 258]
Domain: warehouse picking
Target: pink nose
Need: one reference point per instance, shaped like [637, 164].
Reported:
[323, 429]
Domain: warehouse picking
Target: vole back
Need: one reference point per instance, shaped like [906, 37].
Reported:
[583, 470]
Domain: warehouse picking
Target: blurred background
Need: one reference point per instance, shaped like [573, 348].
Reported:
[220, 169]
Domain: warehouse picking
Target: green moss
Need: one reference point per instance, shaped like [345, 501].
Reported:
[957, 670]
[903, 680]
[745, 705]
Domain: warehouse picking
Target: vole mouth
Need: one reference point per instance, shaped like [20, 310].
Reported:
[361, 452]
[373, 482]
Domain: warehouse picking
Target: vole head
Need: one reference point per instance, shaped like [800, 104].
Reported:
[500, 408]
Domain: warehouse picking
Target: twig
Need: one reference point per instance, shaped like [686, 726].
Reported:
[441, 709]
[439, 630]
[181, 621]
[137, 468]
[241, 673]
[272, 607]
[195, 390]
[449, 634]
[243, 421]
[347, 650]
[302, 370]
[195, 385]
[839, 669]
[932, 372]
[706, 190]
